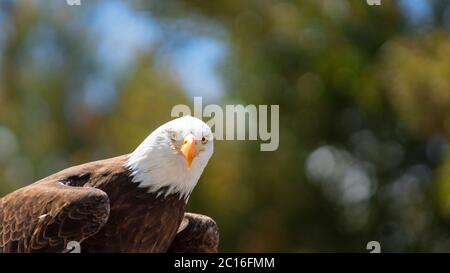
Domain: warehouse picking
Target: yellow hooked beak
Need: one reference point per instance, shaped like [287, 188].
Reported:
[189, 149]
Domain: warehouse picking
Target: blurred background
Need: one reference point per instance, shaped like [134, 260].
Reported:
[364, 95]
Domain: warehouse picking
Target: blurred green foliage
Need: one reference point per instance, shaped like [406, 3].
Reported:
[364, 95]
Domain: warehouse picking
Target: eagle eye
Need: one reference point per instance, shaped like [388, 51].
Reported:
[172, 134]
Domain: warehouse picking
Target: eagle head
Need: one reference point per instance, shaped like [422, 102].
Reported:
[172, 158]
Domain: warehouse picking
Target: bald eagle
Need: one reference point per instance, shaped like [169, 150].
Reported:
[131, 203]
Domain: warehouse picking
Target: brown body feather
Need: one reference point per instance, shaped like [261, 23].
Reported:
[197, 234]
[99, 206]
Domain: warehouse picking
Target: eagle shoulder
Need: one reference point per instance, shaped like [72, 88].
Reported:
[197, 234]
[46, 215]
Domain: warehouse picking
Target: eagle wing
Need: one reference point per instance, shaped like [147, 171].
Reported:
[47, 215]
[197, 234]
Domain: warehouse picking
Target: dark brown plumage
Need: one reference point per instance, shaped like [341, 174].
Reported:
[99, 206]
[196, 234]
